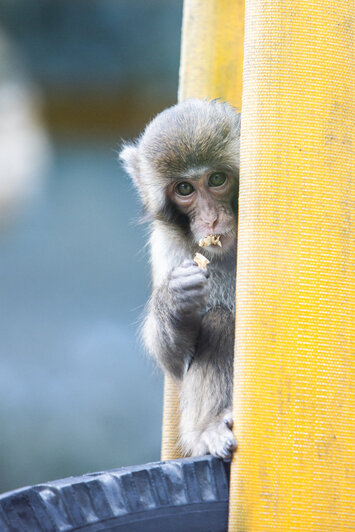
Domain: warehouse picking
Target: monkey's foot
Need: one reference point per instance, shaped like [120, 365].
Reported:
[217, 439]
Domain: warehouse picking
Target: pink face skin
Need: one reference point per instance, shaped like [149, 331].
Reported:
[206, 199]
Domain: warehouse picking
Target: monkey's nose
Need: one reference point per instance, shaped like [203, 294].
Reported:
[213, 223]
[211, 220]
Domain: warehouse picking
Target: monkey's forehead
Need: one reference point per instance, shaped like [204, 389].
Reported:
[195, 133]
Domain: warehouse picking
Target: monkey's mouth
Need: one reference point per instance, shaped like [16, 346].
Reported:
[218, 243]
[210, 240]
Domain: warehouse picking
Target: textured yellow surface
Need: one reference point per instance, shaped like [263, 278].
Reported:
[294, 405]
[212, 50]
[211, 67]
[170, 433]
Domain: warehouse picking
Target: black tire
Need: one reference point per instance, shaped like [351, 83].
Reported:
[188, 495]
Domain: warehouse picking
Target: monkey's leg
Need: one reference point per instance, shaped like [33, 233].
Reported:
[206, 395]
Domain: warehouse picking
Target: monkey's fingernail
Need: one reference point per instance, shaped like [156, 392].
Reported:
[232, 445]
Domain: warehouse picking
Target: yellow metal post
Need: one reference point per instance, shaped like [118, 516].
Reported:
[170, 431]
[293, 377]
[211, 67]
[212, 50]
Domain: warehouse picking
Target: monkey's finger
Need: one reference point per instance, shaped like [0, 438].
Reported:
[193, 301]
[181, 271]
[200, 272]
[188, 262]
[188, 267]
[185, 283]
[192, 282]
[196, 295]
[191, 297]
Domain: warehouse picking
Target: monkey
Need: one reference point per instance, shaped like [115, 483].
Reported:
[185, 166]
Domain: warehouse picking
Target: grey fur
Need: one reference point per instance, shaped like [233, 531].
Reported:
[176, 309]
[189, 328]
[192, 134]
[206, 390]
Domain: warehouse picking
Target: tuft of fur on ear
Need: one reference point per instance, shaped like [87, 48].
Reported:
[129, 156]
[150, 189]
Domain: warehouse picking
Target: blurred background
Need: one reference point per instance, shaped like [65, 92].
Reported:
[77, 393]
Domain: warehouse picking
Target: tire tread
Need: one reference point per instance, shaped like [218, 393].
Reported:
[192, 491]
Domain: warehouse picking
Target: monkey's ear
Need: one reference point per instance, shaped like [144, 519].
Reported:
[129, 156]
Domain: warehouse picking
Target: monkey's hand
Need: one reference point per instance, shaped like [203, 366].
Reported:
[188, 290]
[174, 319]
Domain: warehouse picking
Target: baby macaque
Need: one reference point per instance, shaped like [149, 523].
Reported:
[186, 167]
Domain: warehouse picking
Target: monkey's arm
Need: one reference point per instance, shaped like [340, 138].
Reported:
[174, 318]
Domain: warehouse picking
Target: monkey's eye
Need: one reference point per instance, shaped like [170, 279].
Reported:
[217, 179]
[184, 189]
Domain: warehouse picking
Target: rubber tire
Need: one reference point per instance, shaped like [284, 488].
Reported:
[188, 495]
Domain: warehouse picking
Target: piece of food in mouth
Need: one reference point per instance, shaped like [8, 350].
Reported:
[210, 240]
[201, 261]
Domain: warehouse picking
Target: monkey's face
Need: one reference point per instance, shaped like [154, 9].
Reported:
[185, 166]
[207, 198]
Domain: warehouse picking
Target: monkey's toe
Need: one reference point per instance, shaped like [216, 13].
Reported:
[219, 440]
[228, 420]
[229, 448]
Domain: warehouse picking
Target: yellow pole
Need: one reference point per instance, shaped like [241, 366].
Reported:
[211, 67]
[294, 407]
[212, 50]
[170, 431]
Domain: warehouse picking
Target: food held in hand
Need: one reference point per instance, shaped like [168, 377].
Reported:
[201, 261]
